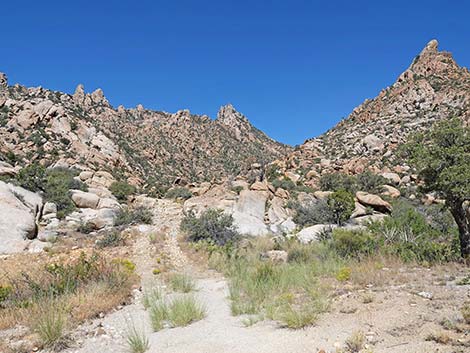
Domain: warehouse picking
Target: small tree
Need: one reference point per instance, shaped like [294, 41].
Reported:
[341, 205]
[442, 158]
[212, 225]
[121, 190]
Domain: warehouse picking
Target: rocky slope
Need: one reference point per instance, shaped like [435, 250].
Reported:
[148, 147]
[434, 87]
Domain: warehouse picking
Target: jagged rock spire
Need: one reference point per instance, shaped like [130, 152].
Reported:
[3, 81]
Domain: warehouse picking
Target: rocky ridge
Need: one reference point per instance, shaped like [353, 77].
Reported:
[434, 87]
[149, 148]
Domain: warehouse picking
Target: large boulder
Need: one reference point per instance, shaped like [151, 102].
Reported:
[6, 169]
[85, 199]
[312, 233]
[19, 210]
[392, 177]
[249, 213]
[391, 191]
[374, 201]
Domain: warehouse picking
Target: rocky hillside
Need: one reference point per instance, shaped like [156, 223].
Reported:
[149, 148]
[434, 87]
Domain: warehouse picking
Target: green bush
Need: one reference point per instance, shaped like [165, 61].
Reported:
[213, 225]
[32, 177]
[284, 183]
[237, 189]
[178, 193]
[138, 215]
[353, 243]
[59, 182]
[121, 190]
[272, 172]
[341, 205]
[417, 235]
[312, 213]
[55, 183]
[338, 181]
[111, 239]
[370, 182]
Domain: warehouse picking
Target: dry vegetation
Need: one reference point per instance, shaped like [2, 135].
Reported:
[50, 293]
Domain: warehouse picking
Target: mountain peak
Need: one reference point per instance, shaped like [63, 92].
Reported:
[3, 80]
[431, 47]
[229, 116]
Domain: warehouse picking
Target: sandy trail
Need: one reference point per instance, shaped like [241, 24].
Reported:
[396, 326]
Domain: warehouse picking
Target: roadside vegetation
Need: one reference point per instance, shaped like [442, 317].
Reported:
[52, 298]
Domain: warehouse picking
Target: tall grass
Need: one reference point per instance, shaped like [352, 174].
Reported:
[159, 314]
[181, 282]
[137, 341]
[151, 296]
[181, 311]
[49, 322]
[290, 293]
[185, 310]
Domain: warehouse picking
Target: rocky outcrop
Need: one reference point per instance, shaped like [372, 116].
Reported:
[374, 201]
[20, 210]
[433, 88]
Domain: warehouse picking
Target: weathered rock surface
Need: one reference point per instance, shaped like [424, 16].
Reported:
[311, 233]
[85, 199]
[19, 212]
[373, 201]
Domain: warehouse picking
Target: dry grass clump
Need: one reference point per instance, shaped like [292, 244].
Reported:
[81, 288]
[287, 292]
[465, 311]
[49, 321]
[181, 282]
[181, 311]
[137, 340]
[185, 310]
[355, 342]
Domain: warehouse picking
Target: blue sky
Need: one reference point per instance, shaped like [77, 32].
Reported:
[294, 68]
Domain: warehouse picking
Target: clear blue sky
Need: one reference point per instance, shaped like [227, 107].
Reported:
[294, 68]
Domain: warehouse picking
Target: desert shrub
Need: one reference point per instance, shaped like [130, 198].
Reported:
[55, 183]
[284, 183]
[138, 215]
[370, 182]
[355, 342]
[86, 227]
[59, 182]
[111, 239]
[341, 205]
[159, 312]
[338, 181]
[5, 292]
[178, 193]
[32, 177]
[237, 189]
[151, 296]
[312, 213]
[465, 311]
[77, 287]
[353, 243]
[409, 234]
[212, 225]
[121, 190]
[272, 172]
[344, 274]
[337, 208]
